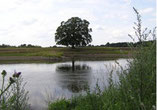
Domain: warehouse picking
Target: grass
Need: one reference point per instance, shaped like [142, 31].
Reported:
[58, 52]
[33, 55]
[29, 52]
[46, 55]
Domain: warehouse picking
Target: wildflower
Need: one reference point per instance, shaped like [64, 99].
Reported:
[11, 80]
[4, 73]
[16, 74]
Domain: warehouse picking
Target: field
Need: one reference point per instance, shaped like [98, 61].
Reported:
[61, 54]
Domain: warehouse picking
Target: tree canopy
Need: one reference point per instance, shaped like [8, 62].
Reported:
[74, 32]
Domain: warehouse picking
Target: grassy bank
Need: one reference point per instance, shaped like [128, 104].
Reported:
[61, 54]
[29, 52]
[57, 52]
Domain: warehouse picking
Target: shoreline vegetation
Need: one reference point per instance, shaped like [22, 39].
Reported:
[51, 55]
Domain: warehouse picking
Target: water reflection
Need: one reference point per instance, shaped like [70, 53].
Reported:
[64, 79]
[74, 77]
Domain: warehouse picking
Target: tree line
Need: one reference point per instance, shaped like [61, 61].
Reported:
[118, 44]
[20, 46]
[128, 44]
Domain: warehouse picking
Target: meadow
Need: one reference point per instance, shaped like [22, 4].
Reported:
[62, 54]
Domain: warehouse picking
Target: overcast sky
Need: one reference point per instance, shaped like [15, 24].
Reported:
[35, 21]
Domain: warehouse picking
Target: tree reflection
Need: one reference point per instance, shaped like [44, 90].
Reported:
[74, 77]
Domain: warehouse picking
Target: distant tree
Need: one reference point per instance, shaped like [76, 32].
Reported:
[128, 44]
[74, 32]
[54, 46]
[5, 46]
[107, 44]
[102, 45]
[23, 45]
[28, 46]
[89, 45]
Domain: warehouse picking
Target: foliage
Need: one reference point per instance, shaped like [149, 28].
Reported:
[127, 44]
[74, 32]
[60, 105]
[20, 46]
[13, 96]
[28, 46]
[136, 88]
[6, 46]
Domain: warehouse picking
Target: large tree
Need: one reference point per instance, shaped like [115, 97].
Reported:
[74, 32]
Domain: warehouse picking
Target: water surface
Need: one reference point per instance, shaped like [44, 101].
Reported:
[66, 79]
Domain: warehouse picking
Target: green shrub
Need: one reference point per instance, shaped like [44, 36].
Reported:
[60, 105]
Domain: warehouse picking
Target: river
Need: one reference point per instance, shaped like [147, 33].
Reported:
[62, 80]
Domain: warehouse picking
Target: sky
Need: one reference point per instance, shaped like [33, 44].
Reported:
[35, 21]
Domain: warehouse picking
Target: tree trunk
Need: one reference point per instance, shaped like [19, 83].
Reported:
[73, 47]
[73, 65]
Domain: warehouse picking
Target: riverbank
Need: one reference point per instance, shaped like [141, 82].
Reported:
[15, 55]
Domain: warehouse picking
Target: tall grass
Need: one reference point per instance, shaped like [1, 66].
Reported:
[136, 89]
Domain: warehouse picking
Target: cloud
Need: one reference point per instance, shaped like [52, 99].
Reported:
[116, 16]
[127, 1]
[146, 10]
[29, 22]
[100, 28]
[35, 21]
